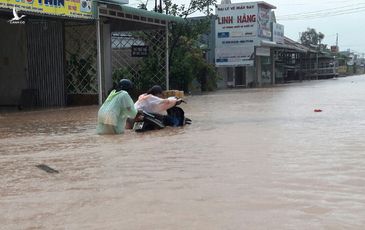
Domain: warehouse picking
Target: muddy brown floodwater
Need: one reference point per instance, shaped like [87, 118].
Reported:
[252, 159]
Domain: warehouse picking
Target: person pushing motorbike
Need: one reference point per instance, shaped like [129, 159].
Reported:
[154, 103]
[114, 112]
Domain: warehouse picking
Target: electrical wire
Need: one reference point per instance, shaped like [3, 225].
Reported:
[347, 9]
[353, 6]
[322, 15]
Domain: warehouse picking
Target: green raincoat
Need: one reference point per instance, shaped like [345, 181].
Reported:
[114, 112]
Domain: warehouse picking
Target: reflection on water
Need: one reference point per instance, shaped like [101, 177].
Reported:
[252, 159]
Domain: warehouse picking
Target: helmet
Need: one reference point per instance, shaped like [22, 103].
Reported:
[155, 90]
[125, 85]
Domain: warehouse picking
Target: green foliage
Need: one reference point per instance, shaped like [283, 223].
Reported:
[149, 68]
[342, 59]
[208, 77]
[121, 73]
[142, 6]
[188, 63]
[186, 58]
[80, 72]
[311, 37]
[184, 11]
[142, 80]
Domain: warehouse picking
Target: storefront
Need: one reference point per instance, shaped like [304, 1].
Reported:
[68, 53]
[240, 29]
[128, 40]
[33, 58]
[286, 61]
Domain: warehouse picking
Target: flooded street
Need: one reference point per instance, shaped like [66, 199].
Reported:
[252, 159]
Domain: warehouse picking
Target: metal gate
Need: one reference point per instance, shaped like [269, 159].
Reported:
[80, 51]
[45, 63]
[140, 56]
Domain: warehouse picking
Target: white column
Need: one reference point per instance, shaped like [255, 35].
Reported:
[98, 42]
[107, 57]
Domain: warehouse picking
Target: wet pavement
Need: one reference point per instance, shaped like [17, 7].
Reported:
[252, 159]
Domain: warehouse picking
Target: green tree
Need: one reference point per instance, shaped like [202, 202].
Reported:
[185, 11]
[186, 58]
[142, 6]
[311, 37]
[187, 61]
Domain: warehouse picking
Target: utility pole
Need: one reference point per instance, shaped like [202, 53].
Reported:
[334, 57]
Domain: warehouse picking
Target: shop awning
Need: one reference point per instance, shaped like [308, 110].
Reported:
[287, 45]
[115, 10]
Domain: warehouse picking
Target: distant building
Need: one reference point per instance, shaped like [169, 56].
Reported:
[249, 48]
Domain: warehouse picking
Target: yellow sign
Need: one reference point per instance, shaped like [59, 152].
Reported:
[70, 8]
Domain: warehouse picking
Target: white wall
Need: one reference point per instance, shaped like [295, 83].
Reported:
[250, 75]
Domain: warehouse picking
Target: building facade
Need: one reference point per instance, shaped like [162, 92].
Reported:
[33, 54]
[240, 30]
[59, 53]
[250, 49]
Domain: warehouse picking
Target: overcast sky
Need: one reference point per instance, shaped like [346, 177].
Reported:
[343, 17]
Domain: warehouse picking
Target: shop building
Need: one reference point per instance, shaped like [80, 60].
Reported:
[240, 56]
[130, 42]
[33, 44]
[251, 50]
[66, 53]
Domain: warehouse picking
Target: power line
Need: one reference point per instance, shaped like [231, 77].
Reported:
[353, 6]
[321, 15]
[303, 3]
[329, 12]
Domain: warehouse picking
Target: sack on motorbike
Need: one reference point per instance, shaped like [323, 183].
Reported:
[173, 93]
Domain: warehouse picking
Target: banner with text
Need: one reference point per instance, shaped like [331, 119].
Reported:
[278, 33]
[236, 33]
[264, 23]
[70, 8]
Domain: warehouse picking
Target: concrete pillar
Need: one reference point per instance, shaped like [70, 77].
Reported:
[273, 67]
[258, 71]
[99, 60]
[234, 76]
[107, 57]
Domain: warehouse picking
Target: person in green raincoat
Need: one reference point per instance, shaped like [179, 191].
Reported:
[116, 109]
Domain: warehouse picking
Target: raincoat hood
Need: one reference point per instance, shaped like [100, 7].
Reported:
[112, 94]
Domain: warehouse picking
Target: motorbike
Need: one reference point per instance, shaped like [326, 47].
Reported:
[147, 121]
